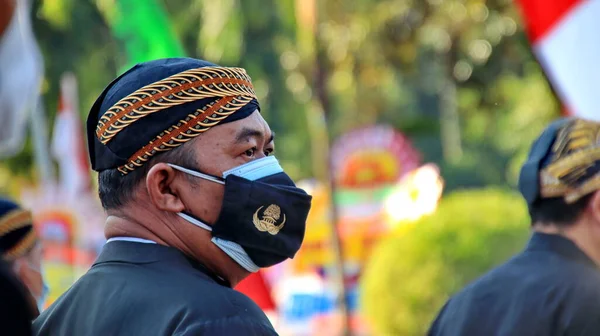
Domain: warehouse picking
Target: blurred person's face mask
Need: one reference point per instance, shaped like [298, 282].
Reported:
[263, 216]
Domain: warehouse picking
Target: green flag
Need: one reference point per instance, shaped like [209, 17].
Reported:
[143, 27]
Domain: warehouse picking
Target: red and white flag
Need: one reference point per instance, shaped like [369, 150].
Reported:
[68, 143]
[566, 40]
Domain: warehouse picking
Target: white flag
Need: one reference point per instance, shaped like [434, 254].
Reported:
[21, 71]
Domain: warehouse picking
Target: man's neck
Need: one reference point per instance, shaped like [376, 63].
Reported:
[578, 234]
[550, 229]
[116, 226]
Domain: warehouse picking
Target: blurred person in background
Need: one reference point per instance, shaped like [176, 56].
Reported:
[22, 251]
[15, 308]
[195, 199]
[553, 286]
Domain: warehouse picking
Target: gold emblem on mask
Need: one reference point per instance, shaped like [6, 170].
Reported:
[269, 217]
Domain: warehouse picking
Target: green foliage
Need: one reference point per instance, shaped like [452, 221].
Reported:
[412, 273]
[138, 25]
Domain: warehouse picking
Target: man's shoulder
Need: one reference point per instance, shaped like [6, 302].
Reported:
[498, 285]
[187, 296]
[216, 310]
[227, 325]
[202, 297]
[527, 272]
[497, 277]
[191, 309]
[208, 300]
[539, 286]
[213, 296]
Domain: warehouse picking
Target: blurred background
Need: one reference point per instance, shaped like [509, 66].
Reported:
[407, 120]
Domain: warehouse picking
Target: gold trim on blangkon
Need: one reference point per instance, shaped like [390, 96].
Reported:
[21, 247]
[14, 220]
[187, 129]
[573, 173]
[181, 88]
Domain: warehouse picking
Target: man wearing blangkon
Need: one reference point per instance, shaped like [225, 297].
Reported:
[553, 286]
[195, 203]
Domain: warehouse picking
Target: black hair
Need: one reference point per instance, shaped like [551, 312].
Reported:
[116, 189]
[558, 212]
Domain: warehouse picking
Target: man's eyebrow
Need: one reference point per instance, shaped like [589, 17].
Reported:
[246, 133]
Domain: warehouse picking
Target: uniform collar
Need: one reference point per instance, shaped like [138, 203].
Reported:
[140, 253]
[560, 245]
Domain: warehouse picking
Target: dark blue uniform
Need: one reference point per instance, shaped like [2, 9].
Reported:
[149, 289]
[552, 288]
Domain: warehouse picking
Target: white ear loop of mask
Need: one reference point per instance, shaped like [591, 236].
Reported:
[194, 221]
[237, 253]
[197, 174]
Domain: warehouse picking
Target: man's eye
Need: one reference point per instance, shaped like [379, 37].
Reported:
[250, 152]
[268, 152]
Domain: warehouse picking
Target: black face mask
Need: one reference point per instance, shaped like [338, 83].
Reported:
[263, 217]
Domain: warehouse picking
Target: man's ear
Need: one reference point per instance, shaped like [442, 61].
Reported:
[594, 206]
[162, 189]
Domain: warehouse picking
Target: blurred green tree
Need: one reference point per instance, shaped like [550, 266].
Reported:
[413, 272]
